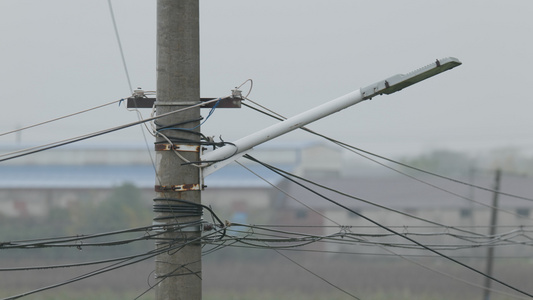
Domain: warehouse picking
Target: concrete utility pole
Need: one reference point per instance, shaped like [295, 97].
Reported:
[492, 231]
[177, 205]
[178, 272]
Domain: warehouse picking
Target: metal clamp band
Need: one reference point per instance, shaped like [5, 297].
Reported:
[182, 148]
[177, 188]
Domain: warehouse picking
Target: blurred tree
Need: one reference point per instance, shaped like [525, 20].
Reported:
[444, 162]
[124, 208]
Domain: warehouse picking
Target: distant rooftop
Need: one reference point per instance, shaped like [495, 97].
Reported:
[86, 165]
[128, 153]
[405, 192]
[105, 176]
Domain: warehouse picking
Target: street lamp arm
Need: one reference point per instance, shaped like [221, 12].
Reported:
[218, 158]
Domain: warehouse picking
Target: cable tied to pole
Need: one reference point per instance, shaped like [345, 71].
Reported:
[175, 208]
[184, 209]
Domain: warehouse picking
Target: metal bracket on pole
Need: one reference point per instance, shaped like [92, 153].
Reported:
[175, 147]
[143, 102]
[177, 188]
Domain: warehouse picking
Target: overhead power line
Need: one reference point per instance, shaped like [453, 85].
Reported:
[280, 240]
[291, 177]
[385, 246]
[120, 45]
[60, 118]
[33, 150]
[123, 262]
[279, 117]
[316, 275]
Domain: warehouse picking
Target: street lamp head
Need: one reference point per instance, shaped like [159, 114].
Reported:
[400, 81]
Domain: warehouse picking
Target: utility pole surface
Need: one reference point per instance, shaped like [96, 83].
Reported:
[492, 232]
[178, 271]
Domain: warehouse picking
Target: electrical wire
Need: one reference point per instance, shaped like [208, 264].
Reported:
[345, 236]
[351, 148]
[447, 227]
[119, 45]
[373, 253]
[117, 262]
[286, 193]
[79, 240]
[247, 242]
[249, 90]
[345, 232]
[126, 72]
[62, 117]
[165, 277]
[305, 240]
[381, 246]
[292, 240]
[290, 177]
[33, 150]
[316, 275]
[399, 226]
[120, 264]
[347, 146]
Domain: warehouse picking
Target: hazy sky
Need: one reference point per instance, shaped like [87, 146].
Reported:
[61, 56]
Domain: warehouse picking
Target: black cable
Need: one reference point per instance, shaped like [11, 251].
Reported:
[94, 134]
[316, 275]
[397, 226]
[160, 127]
[119, 45]
[382, 207]
[349, 238]
[73, 265]
[434, 174]
[185, 209]
[120, 264]
[388, 254]
[45, 242]
[267, 246]
[111, 267]
[74, 140]
[60, 118]
[393, 161]
[345, 232]
[288, 176]
[165, 277]
[76, 245]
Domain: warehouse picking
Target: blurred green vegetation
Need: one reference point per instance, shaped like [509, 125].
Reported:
[453, 163]
[124, 208]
